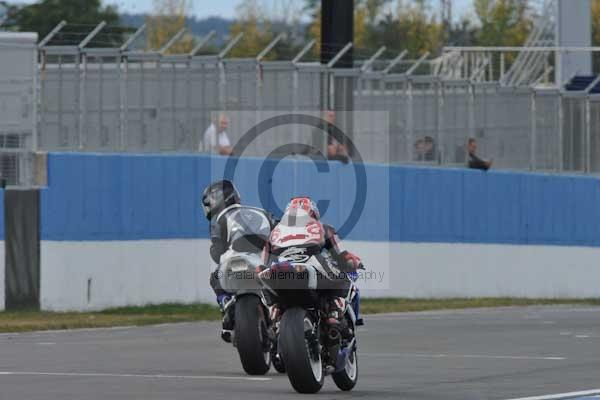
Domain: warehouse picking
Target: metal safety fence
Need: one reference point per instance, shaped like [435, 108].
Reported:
[126, 100]
[18, 75]
[149, 103]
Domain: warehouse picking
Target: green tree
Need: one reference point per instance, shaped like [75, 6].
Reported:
[373, 9]
[412, 28]
[462, 33]
[43, 16]
[423, 32]
[168, 19]
[368, 13]
[596, 31]
[7, 13]
[503, 22]
[257, 30]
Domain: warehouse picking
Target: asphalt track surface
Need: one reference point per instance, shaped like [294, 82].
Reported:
[472, 354]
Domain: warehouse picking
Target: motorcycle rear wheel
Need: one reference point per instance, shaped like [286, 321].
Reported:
[303, 365]
[251, 335]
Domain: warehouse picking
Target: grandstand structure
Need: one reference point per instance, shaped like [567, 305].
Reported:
[539, 59]
[122, 97]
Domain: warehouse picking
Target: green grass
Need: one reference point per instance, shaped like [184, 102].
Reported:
[30, 320]
[387, 305]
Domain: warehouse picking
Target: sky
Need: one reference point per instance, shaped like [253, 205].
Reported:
[223, 8]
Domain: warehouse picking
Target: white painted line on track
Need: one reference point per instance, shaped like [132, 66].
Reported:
[143, 376]
[562, 396]
[477, 356]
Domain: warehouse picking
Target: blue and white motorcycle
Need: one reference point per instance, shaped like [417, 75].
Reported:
[248, 228]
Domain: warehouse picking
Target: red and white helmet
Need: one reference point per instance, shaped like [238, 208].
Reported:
[306, 204]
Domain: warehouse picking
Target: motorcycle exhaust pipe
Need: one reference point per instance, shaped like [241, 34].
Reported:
[334, 334]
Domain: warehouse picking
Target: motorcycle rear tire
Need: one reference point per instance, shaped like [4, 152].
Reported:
[304, 371]
[250, 335]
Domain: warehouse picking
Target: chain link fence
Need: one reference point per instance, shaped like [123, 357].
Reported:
[594, 132]
[164, 104]
[117, 100]
[17, 107]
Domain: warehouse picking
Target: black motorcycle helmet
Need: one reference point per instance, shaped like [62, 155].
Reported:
[218, 196]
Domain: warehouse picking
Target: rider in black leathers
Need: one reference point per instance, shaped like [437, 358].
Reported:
[221, 204]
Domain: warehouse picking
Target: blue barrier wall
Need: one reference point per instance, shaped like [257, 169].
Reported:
[130, 197]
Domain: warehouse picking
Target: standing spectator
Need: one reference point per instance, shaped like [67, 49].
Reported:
[425, 149]
[335, 150]
[420, 150]
[216, 140]
[429, 152]
[474, 161]
[210, 132]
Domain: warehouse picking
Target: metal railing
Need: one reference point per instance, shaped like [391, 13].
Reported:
[509, 65]
[18, 75]
[125, 100]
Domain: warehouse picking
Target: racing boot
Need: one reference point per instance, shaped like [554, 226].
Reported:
[226, 305]
[356, 307]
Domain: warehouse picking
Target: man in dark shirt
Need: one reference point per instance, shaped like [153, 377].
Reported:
[420, 150]
[429, 149]
[336, 151]
[474, 161]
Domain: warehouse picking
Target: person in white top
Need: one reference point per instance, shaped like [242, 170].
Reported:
[216, 140]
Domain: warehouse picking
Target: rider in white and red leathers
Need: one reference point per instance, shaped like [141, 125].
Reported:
[333, 257]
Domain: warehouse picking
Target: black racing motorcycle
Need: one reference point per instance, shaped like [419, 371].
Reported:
[308, 345]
